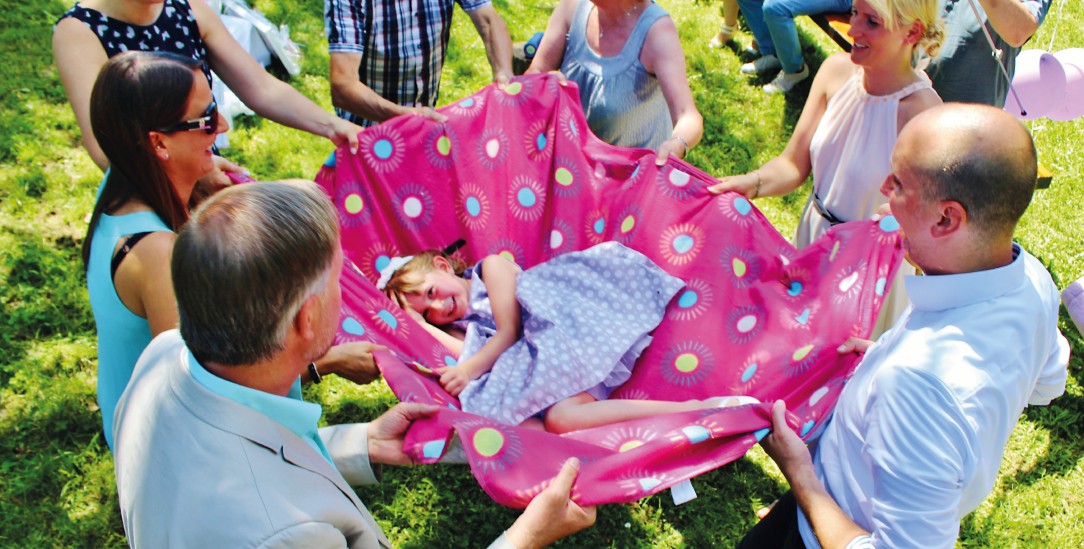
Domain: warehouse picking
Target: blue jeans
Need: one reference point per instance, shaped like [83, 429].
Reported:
[772, 23]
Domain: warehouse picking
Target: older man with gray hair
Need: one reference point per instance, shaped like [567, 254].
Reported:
[214, 445]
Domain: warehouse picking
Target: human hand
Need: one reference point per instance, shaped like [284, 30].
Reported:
[747, 185]
[854, 345]
[765, 511]
[882, 211]
[502, 78]
[344, 131]
[552, 514]
[673, 146]
[561, 78]
[386, 432]
[353, 361]
[430, 114]
[784, 445]
[454, 378]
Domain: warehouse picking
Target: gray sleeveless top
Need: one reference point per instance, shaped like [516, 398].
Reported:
[623, 102]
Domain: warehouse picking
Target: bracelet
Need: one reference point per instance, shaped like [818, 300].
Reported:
[683, 143]
[314, 376]
[756, 190]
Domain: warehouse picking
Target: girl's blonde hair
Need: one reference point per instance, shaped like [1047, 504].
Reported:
[897, 13]
[408, 278]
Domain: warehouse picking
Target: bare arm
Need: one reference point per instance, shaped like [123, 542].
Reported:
[500, 278]
[662, 55]
[265, 94]
[1011, 19]
[494, 33]
[786, 172]
[833, 528]
[79, 56]
[349, 93]
[551, 51]
[353, 361]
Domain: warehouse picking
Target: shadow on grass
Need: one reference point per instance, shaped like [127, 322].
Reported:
[59, 487]
[42, 294]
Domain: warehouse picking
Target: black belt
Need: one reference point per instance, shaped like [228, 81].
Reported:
[827, 215]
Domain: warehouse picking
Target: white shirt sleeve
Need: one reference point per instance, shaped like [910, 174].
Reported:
[1051, 383]
[920, 450]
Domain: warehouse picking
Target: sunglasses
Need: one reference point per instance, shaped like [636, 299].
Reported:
[208, 122]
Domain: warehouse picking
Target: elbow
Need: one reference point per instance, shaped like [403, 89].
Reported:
[1019, 35]
[338, 93]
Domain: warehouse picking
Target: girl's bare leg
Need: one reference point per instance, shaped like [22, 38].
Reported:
[582, 411]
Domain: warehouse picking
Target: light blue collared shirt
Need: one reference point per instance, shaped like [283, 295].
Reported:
[300, 417]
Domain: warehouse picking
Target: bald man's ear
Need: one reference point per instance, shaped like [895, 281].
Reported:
[953, 218]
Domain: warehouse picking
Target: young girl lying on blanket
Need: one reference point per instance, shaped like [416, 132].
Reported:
[557, 338]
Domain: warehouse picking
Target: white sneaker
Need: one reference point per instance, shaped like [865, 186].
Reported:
[761, 65]
[785, 81]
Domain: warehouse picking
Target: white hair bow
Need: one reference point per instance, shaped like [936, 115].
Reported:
[389, 270]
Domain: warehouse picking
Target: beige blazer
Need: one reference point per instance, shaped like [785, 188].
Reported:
[196, 469]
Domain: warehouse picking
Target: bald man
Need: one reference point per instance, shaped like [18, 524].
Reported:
[919, 431]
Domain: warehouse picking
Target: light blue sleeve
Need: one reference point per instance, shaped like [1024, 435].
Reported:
[1038, 8]
[920, 452]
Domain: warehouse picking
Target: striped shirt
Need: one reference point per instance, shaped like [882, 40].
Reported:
[402, 45]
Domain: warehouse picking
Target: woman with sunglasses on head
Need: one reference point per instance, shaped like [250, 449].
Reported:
[95, 30]
[155, 119]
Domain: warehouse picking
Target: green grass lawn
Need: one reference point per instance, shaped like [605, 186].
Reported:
[56, 474]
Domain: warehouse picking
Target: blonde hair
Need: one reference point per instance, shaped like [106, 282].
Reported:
[898, 13]
[408, 279]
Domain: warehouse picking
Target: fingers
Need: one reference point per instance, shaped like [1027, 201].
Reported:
[451, 380]
[882, 211]
[228, 166]
[347, 131]
[766, 510]
[779, 415]
[726, 184]
[431, 114]
[502, 78]
[665, 151]
[413, 411]
[854, 345]
[562, 483]
[352, 139]
[561, 78]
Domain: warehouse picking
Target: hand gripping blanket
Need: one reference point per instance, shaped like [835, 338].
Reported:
[515, 171]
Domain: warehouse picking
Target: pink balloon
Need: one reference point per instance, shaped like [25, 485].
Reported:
[1040, 83]
[1072, 106]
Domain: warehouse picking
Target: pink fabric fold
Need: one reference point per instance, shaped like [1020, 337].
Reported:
[516, 172]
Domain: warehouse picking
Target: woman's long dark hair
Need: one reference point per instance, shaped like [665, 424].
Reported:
[135, 93]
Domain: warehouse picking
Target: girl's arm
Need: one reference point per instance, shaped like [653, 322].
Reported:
[454, 344]
[786, 172]
[499, 275]
[662, 56]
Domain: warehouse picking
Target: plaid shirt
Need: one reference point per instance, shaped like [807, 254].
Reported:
[402, 45]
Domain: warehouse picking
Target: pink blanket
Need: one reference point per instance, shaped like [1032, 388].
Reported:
[516, 172]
